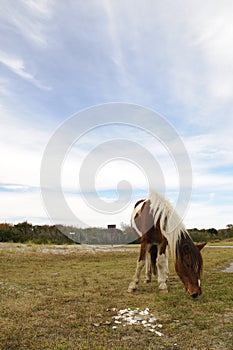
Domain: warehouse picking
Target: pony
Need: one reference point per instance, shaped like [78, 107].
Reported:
[159, 226]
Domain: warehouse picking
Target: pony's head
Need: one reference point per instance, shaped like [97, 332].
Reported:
[189, 264]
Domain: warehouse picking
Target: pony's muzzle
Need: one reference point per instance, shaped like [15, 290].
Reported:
[195, 295]
[194, 292]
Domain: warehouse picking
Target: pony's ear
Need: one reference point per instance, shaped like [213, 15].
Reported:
[200, 245]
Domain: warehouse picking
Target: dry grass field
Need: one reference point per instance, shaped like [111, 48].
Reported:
[64, 298]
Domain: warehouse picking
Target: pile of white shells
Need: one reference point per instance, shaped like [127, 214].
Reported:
[137, 317]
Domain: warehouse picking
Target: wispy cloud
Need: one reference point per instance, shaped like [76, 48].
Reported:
[42, 8]
[214, 38]
[200, 59]
[16, 65]
[117, 53]
[28, 18]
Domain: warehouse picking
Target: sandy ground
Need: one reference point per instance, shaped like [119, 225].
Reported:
[65, 249]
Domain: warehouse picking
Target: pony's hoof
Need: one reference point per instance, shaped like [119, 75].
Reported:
[163, 288]
[132, 287]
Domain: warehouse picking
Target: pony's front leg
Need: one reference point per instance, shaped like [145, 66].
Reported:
[133, 285]
[140, 264]
[163, 272]
[148, 268]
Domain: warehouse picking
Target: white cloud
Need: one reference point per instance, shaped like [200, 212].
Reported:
[18, 207]
[22, 145]
[210, 151]
[211, 159]
[206, 214]
[126, 162]
[16, 65]
[92, 217]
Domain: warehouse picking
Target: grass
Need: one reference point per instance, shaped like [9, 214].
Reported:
[64, 302]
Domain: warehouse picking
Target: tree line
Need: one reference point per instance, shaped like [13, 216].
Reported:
[58, 234]
[25, 232]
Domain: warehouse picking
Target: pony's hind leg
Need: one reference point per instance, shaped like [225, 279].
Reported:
[163, 272]
[151, 258]
[140, 264]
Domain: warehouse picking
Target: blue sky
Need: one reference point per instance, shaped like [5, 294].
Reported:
[59, 58]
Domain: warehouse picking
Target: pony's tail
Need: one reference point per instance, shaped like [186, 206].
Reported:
[153, 256]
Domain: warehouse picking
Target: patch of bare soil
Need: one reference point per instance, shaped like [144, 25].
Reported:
[229, 268]
[63, 249]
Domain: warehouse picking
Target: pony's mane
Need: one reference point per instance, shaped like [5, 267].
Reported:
[171, 224]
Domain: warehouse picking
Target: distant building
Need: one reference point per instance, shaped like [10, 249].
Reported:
[111, 226]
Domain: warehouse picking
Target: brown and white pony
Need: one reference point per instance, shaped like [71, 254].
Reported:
[159, 226]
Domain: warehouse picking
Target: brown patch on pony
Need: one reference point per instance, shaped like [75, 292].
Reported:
[140, 211]
[144, 221]
[143, 206]
[138, 202]
[163, 246]
[151, 233]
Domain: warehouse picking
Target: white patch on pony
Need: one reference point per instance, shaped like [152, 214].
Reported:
[135, 211]
[199, 283]
[170, 223]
